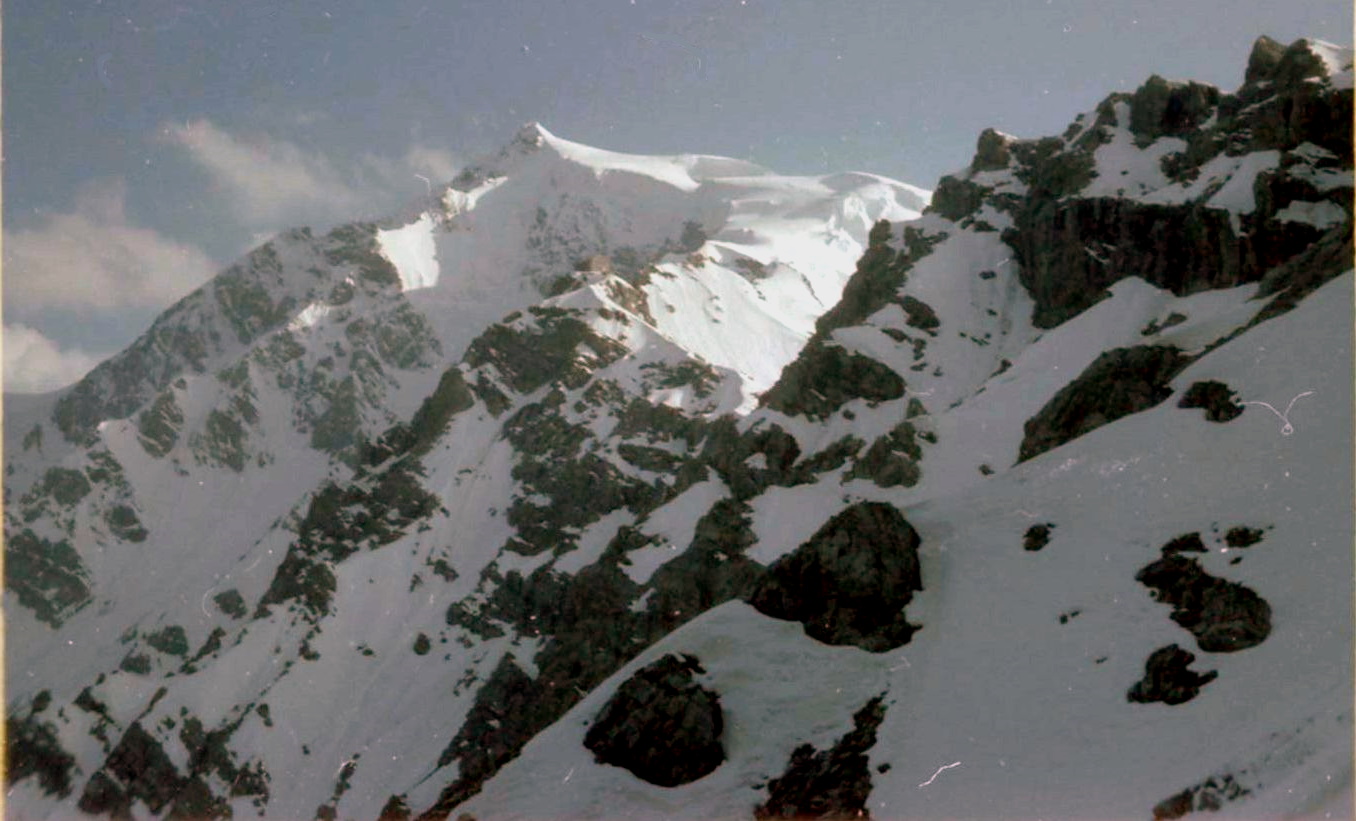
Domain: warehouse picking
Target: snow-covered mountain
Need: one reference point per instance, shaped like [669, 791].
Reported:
[608, 485]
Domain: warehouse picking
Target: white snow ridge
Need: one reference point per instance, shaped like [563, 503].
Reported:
[606, 485]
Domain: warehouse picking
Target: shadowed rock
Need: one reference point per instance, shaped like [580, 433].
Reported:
[957, 198]
[1037, 537]
[1223, 616]
[1186, 543]
[1120, 382]
[661, 725]
[1215, 397]
[1162, 108]
[1208, 796]
[834, 783]
[34, 749]
[1242, 536]
[144, 771]
[992, 151]
[1070, 248]
[1263, 61]
[1167, 679]
[850, 582]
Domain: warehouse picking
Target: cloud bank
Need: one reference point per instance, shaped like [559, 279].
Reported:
[271, 183]
[94, 259]
[35, 364]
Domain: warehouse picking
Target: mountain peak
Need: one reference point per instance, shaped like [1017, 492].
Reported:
[1266, 55]
[1304, 59]
[532, 135]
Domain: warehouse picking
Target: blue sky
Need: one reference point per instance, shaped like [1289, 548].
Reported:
[150, 142]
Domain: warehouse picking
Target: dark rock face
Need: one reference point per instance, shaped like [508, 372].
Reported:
[1186, 543]
[920, 314]
[991, 151]
[1160, 108]
[661, 725]
[1070, 251]
[834, 783]
[395, 809]
[451, 397]
[144, 770]
[34, 749]
[850, 582]
[138, 769]
[1167, 679]
[828, 377]
[714, 570]
[1243, 536]
[1070, 248]
[1209, 796]
[1223, 616]
[1120, 382]
[1037, 537]
[373, 509]
[1155, 327]
[1215, 397]
[1297, 278]
[1262, 63]
[530, 357]
[48, 577]
[103, 796]
[892, 459]
[1294, 109]
[1050, 171]
[590, 633]
[956, 198]
[239, 302]
[491, 735]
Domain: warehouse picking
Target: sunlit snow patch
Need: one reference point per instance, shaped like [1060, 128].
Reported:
[411, 250]
[308, 316]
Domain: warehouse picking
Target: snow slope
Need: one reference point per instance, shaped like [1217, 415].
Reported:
[432, 490]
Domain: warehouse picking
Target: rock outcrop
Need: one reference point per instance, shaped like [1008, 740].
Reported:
[850, 582]
[1208, 796]
[1071, 246]
[834, 783]
[661, 725]
[1186, 543]
[1070, 251]
[1167, 679]
[1161, 108]
[1037, 536]
[1215, 398]
[1224, 616]
[1118, 383]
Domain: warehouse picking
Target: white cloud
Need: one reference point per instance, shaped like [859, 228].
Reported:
[94, 259]
[267, 181]
[34, 364]
[271, 183]
[406, 175]
[434, 163]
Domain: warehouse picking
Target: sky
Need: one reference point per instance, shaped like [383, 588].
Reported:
[149, 143]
